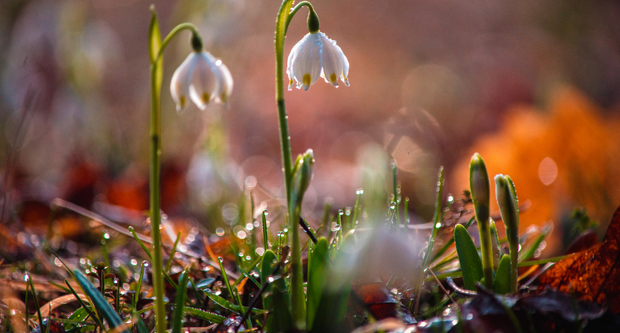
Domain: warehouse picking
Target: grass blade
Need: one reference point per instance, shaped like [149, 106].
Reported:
[99, 301]
[179, 305]
[205, 315]
[470, 262]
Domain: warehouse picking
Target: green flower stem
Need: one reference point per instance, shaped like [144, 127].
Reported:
[312, 16]
[155, 174]
[285, 15]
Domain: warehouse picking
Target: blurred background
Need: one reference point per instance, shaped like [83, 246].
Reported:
[532, 86]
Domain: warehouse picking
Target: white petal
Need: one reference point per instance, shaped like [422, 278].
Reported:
[180, 82]
[289, 64]
[306, 64]
[333, 61]
[225, 83]
[205, 80]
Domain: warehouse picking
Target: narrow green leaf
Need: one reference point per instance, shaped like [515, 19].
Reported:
[155, 43]
[228, 305]
[77, 317]
[495, 244]
[205, 315]
[317, 277]
[179, 305]
[173, 252]
[98, 300]
[280, 319]
[502, 276]
[269, 258]
[154, 35]
[471, 265]
[203, 284]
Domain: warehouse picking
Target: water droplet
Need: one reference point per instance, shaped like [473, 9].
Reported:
[220, 232]
[248, 258]
[145, 263]
[249, 226]
[13, 312]
[392, 206]
[57, 262]
[260, 251]
[106, 235]
[446, 311]
[438, 225]
[271, 279]
[285, 230]
[359, 191]
[450, 199]
[469, 316]
[220, 259]
[134, 262]
[115, 281]
[241, 254]
[26, 277]
[82, 261]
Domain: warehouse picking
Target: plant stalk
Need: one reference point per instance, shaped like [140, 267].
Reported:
[155, 178]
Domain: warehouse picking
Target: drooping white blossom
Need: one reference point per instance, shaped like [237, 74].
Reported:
[313, 56]
[201, 78]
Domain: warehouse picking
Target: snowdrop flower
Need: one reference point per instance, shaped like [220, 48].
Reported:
[203, 78]
[316, 55]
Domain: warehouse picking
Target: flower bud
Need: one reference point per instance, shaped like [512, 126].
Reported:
[509, 209]
[479, 185]
[302, 175]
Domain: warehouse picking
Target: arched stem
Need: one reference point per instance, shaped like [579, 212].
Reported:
[155, 168]
[285, 15]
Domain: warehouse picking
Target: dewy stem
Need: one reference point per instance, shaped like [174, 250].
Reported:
[155, 177]
[285, 15]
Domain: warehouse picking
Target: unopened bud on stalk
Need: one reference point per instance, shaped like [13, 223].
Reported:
[479, 186]
[509, 209]
[302, 175]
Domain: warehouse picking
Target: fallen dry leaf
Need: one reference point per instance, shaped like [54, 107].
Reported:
[593, 274]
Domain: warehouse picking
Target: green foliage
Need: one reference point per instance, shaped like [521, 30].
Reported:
[179, 305]
[503, 279]
[470, 262]
[205, 315]
[98, 301]
[480, 189]
[318, 270]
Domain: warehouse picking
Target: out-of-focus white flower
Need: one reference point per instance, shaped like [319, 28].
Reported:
[203, 78]
[316, 55]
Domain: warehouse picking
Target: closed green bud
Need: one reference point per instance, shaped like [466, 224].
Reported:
[509, 209]
[507, 202]
[479, 186]
[302, 175]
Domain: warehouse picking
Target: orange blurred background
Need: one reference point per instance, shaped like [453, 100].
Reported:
[534, 87]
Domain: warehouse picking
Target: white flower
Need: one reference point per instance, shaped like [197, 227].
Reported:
[315, 55]
[203, 78]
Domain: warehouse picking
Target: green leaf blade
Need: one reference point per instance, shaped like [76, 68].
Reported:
[317, 277]
[471, 264]
[502, 284]
[99, 301]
